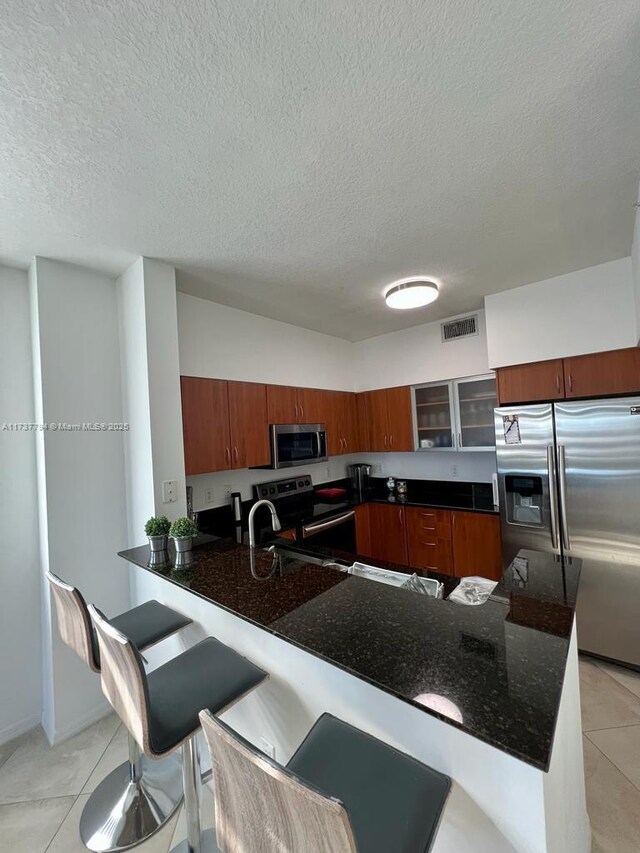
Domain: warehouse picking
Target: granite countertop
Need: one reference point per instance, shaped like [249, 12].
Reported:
[500, 665]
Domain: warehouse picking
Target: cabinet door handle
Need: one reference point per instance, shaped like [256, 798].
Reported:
[570, 382]
[301, 412]
[391, 441]
[400, 516]
[386, 441]
[295, 413]
[235, 454]
[227, 455]
[558, 382]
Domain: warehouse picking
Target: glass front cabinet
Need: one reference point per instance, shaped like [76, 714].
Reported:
[455, 415]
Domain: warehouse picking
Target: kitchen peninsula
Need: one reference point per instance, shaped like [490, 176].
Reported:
[487, 694]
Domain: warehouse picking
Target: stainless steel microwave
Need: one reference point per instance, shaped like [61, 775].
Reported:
[297, 444]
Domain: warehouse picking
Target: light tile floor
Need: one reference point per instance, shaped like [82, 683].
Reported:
[43, 790]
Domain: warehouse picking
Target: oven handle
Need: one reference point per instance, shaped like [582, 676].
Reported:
[310, 529]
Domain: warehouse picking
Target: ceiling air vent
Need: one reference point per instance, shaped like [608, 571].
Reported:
[462, 328]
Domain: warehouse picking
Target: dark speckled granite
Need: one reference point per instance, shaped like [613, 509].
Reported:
[501, 664]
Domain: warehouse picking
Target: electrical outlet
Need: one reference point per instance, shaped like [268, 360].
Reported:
[227, 492]
[454, 471]
[268, 748]
[169, 491]
[208, 496]
[376, 469]
[328, 471]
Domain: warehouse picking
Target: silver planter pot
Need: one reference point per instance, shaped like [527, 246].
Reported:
[158, 555]
[184, 554]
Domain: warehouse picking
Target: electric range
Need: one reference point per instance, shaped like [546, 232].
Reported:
[317, 520]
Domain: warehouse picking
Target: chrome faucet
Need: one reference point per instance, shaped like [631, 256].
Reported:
[275, 521]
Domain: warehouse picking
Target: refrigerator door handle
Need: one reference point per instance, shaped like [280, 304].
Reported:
[494, 489]
[553, 499]
[566, 543]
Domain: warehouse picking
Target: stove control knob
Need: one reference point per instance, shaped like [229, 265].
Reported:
[300, 484]
[307, 482]
[272, 491]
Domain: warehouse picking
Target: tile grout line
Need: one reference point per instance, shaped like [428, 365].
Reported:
[53, 837]
[610, 728]
[624, 687]
[612, 763]
[77, 796]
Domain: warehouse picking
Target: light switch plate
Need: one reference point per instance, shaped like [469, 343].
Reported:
[208, 496]
[169, 491]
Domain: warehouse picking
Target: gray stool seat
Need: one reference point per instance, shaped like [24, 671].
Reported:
[208, 675]
[394, 802]
[145, 625]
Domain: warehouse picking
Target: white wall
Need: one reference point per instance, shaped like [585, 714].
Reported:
[224, 343]
[591, 310]
[20, 637]
[469, 466]
[418, 355]
[151, 388]
[81, 480]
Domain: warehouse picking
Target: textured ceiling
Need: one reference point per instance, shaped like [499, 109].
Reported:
[292, 158]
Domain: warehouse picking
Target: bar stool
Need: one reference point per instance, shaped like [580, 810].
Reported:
[139, 796]
[161, 708]
[343, 791]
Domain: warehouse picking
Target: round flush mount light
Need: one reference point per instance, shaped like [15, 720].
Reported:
[411, 293]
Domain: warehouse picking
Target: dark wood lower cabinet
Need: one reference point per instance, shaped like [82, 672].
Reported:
[422, 539]
[477, 545]
[387, 525]
[363, 531]
[429, 539]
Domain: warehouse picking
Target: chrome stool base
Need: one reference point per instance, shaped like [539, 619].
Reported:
[207, 844]
[124, 811]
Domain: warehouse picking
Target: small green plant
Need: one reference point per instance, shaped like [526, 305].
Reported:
[157, 526]
[182, 527]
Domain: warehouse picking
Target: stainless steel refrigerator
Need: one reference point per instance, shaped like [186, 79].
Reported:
[569, 484]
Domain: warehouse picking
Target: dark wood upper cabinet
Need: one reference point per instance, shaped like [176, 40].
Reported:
[385, 419]
[530, 383]
[249, 424]
[477, 546]
[282, 404]
[388, 535]
[312, 405]
[376, 419]
[603, 373]
[400, 420]
[205, 425]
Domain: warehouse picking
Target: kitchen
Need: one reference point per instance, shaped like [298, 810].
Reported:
[320, 389]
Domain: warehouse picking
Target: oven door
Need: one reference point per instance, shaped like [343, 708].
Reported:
[338, 532]
[298, 444]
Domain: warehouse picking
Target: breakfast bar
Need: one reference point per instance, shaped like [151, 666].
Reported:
[487, 694]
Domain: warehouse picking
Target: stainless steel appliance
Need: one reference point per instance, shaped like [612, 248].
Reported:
[360, 476]
[317, 521]
[297, 444]
[569, 484]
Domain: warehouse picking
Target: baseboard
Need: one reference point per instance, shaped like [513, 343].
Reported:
[19, 728]
[80, 724]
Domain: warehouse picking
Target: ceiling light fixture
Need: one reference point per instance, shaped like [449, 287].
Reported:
[411, 293]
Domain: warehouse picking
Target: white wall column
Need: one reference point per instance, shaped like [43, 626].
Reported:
[151, 392]
[80, 472]
[20, 662]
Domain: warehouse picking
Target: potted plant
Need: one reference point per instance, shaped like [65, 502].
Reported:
[182, 531]
[157, 529]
